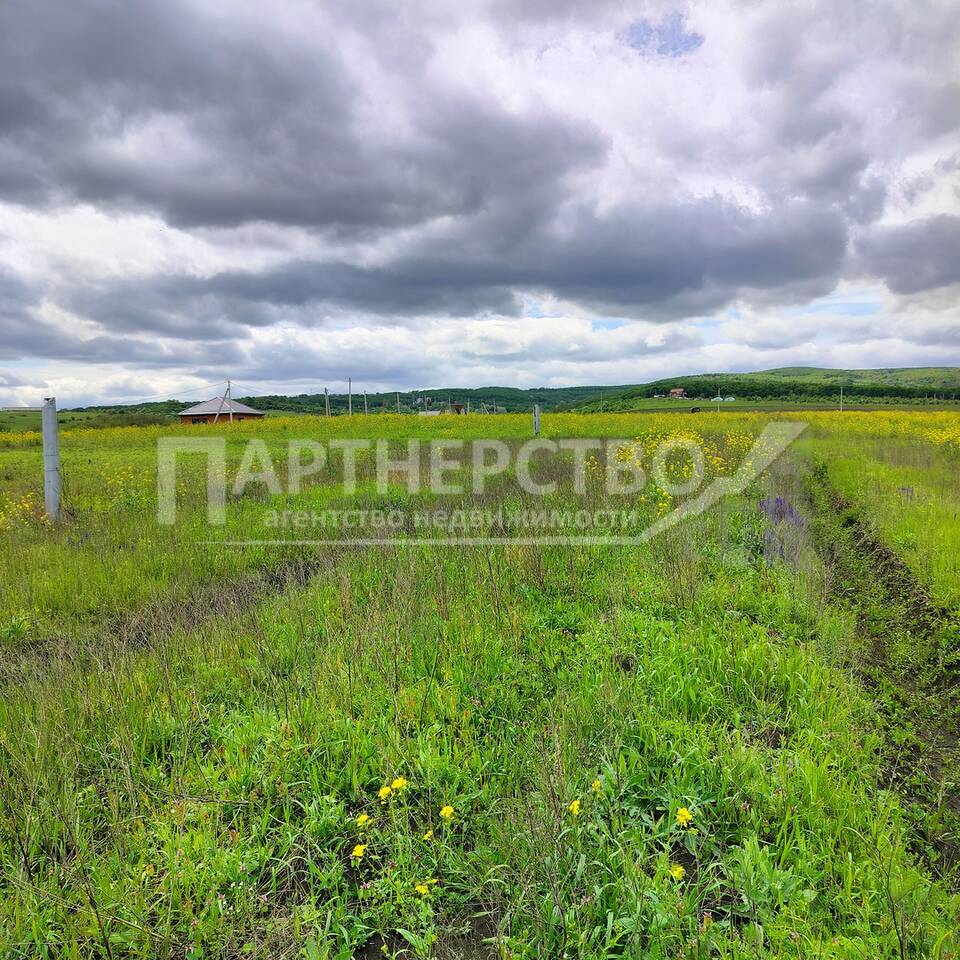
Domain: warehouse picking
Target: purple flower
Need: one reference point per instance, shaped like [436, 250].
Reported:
[782, 530]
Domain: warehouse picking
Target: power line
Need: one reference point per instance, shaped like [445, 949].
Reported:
[159, 396]
[248, 391]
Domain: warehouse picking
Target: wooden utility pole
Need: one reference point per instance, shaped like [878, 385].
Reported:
[223, 400]
[841, 398]
[365, 410]
[398, 401]
[536, 419]
[349, 397]
[51, 459]
[326, 399]
[230, 401]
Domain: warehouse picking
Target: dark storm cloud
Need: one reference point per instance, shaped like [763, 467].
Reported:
[913, 257]
[21, 334]
[16, 296]
[81, 74]
[184, 308]
[657, 262]
[26, 333]
[33, 337]
[157, 106]
[688, 258]
[225, 305]
[408, 289]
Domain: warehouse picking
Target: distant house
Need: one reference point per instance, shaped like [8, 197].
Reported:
[458, 407]
[207, 412]
[677, 393]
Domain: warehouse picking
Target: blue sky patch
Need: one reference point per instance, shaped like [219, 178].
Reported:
[838, 306]
[532, 307]
[667, 38]
[608, 323]
[850, 309]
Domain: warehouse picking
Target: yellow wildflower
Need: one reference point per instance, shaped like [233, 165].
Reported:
[398, 784]
[384, 792]
[446, 812]
[677, 871]
[428, 835]
[574, 807]
[363, 820]
[684, 817]
[422, 889]
[359, 850]
[596, 786]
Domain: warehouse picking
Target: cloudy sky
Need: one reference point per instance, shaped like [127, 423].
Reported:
[526, 192]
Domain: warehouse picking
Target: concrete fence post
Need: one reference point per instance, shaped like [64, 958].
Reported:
[51, 459]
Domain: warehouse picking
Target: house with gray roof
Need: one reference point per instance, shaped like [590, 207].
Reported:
[217, 410]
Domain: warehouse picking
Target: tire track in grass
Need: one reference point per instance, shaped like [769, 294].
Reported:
[177, 611]
[912, 670]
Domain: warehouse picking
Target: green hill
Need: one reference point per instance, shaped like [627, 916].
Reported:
[933, 379]
[798, 385]
[782, 385]
[492, 399]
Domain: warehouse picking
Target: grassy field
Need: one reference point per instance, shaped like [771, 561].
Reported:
[737, 739]
[617, 404]
[18, 421]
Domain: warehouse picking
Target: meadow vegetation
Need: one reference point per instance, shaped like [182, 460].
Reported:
[712, 744]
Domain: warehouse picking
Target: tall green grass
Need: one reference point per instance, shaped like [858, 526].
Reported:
[199, 786]
[908, 493]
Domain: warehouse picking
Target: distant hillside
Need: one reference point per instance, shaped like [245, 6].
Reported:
[789, 384]
[799, 384]
[493, 399]
[933, 379]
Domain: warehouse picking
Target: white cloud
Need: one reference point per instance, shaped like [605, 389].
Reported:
[374, 192]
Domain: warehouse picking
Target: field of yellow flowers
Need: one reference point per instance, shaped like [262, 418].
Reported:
[529, 749]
